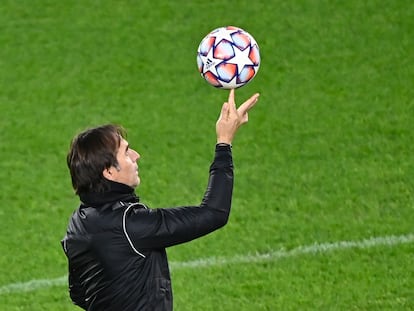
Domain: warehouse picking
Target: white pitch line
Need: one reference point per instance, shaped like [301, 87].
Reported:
[32, 285]
[317, 248]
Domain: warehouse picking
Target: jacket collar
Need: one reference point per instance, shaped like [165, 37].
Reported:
[116, 192]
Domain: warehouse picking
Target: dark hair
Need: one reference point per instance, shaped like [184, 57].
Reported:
[90, 153]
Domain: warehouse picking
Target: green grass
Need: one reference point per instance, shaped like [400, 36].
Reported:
[327, 155]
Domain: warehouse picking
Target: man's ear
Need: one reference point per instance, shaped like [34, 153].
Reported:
[108, 173]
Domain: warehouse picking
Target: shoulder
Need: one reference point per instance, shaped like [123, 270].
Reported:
[94, 219]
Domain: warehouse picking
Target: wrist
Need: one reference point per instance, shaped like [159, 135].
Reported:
[224, 141]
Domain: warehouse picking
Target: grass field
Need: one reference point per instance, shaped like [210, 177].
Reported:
[323, 209]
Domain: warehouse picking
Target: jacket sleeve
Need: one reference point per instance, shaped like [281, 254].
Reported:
[76, 291]
[163, 227]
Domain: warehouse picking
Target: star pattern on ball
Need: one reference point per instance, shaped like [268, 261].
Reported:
[227, 35]
[210, 62]
[241, 58]
[232, 84]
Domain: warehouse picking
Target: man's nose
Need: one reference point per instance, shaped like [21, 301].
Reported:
[136, 156]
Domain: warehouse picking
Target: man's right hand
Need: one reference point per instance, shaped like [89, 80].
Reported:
[232, 118]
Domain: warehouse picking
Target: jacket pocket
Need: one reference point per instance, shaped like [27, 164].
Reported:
[161, 294]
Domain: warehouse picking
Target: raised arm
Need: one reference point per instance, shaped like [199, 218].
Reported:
[157, 228]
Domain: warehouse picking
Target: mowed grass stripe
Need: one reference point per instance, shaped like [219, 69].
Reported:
[314, 249]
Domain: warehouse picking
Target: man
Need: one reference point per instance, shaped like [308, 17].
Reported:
[116, 245]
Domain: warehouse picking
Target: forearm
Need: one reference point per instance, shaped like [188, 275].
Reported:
[219, 190]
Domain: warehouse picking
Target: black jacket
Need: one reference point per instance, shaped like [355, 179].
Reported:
[116, 246]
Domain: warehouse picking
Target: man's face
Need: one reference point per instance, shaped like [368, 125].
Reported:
[127, 170]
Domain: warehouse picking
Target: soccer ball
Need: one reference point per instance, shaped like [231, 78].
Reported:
[228, 57]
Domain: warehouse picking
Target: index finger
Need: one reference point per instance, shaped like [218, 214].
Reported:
[231, 96]
[231, 101]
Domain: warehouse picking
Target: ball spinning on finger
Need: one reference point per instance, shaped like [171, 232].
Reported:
[228, 57]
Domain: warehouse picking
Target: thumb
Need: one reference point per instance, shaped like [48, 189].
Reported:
[248, 104]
